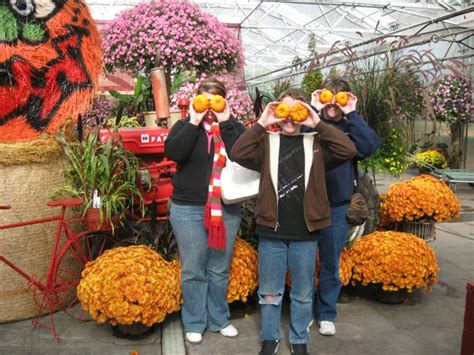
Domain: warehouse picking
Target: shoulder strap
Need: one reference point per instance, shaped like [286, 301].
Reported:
[356, 177]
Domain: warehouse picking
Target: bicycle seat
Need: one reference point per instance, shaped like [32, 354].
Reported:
[5, 207]
[66, 202]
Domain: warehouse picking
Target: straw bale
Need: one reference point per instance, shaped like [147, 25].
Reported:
[35, 151]
[27, 188]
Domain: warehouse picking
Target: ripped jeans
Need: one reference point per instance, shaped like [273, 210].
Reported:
[275, 256]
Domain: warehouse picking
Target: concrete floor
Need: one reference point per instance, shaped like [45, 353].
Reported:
[427, 323]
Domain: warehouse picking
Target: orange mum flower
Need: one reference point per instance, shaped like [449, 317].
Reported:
[394, 260]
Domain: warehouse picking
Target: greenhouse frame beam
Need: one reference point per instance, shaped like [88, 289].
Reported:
[420, 15]
[306, 29]
[359, 3]
[424, 41]
[424, 24]
[306, 24]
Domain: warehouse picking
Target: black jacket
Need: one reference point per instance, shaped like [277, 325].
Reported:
[340, 181]
[187, 145]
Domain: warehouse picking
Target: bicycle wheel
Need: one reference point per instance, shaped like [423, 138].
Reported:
[66, 274]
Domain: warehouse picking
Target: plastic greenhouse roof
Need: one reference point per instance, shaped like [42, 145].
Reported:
[274, 33]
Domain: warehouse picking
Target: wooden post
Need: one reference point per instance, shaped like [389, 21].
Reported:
[467, 346]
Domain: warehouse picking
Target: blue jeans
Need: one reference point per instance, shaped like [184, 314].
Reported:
[331, 244]
[275, 255]
[204, 271]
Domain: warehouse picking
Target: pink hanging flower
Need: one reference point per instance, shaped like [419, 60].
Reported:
[177, 29]
[452, 98]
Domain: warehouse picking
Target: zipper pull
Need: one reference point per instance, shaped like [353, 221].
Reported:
[276, 226]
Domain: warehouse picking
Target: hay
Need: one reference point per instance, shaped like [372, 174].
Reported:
[36, 151]
[27, 186]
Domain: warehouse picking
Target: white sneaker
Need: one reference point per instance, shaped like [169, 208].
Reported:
[229, 331]
[327, 327]
[194, 338]
[310, 324]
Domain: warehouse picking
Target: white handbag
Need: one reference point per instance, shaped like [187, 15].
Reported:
[238, 183]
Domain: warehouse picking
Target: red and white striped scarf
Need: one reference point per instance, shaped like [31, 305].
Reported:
[213, 216]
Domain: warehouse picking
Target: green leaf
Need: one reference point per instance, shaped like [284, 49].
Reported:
[8, 25]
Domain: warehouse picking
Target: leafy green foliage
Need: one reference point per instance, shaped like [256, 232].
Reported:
[391, 156]
[312, 81]
[140, 101]
[106, 167]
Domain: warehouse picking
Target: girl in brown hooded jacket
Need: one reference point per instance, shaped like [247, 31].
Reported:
[292, 206]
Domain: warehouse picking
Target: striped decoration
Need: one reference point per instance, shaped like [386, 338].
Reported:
[213, 216]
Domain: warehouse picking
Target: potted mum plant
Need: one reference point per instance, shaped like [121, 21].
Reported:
[104, 176]
[131, 288]
[430, 159]
[392, 262]
[415, 205]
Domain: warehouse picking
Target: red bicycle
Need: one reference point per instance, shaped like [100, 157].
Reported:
[56, 290]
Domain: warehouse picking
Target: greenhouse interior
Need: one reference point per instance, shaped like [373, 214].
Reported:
[237, 177]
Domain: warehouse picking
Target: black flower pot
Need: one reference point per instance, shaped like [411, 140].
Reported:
[390, 297]
[136, 331]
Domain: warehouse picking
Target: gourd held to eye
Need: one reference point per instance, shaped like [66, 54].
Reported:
[217, 103]
[282, 111]
[201, 103]
[298, 112]
[342, 98]
[326, 96]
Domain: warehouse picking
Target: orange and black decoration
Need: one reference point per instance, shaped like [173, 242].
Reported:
[50, 60]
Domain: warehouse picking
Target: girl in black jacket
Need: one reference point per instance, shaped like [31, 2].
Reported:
[205, 229]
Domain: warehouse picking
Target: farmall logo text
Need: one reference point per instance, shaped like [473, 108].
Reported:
[147, 138]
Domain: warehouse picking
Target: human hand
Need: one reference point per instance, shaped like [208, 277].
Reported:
[315, 101]
[351, 104]
[224, 115]
[312, 120]
[195, 118]
[267, 118]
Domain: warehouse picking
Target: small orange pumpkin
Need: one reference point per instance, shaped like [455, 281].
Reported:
[326, 96]
[217, 103]
[298, 112]
[282, 111]
[201, 103]
[342, 98]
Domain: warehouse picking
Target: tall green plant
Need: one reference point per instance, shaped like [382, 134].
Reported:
[107, 169]
[387, 80]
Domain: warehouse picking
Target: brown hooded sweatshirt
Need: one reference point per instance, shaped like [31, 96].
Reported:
[325, 148]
